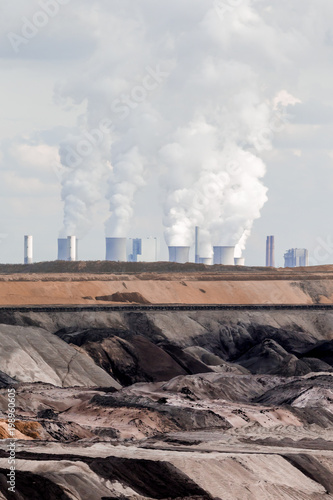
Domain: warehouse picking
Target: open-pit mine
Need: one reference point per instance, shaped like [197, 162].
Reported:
[166, 381]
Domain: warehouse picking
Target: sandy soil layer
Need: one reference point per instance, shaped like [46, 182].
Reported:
[163, 291]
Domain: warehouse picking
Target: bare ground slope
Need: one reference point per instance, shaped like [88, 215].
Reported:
[183, 285]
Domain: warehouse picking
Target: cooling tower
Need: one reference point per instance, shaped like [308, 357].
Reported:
[62, 248]
[239, 261]
[116, 249]
[71, 248]
[179, 254]
[205, 260]
[224, 255]
[28, 249]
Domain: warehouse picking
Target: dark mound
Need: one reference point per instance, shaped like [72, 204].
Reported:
[30, 486]
[140, 350]
[72, 335]
[188, 362]
[6, 380]
[135, 297]
[153, 479]
[133, 360]
[269, 357]
[287, 393]
[322, 351]
[312, 468]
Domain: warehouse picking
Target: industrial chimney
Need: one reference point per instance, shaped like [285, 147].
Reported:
[28, 249]
[270, 251]
[239, 261]
[224, 255]
[116, 249]
[181, 255]
[71, 248]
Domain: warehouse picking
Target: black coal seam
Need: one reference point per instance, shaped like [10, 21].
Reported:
[177, 360]
[123, 379]
[313, 445]
[32, 484]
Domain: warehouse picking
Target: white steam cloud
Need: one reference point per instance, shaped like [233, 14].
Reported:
[177, 87]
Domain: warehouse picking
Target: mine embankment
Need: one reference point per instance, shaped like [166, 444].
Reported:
[192, 288]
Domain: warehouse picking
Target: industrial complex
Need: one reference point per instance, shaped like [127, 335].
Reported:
[146, 250]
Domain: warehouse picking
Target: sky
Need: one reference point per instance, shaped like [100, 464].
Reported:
[166, 95]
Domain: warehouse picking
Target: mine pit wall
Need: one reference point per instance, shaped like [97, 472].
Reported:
[89, 347]
[183, 328]
[164, 291]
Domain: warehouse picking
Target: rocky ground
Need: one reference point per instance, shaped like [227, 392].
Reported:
[167, 404]
[171, 404]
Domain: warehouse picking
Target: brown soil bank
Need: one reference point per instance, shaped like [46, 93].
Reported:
[166, 290]
[162, 283]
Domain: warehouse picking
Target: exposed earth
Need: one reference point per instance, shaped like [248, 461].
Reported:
[93, 283]
[168, 404]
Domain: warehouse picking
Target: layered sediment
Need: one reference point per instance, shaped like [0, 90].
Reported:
[225, 285]
[169, 404]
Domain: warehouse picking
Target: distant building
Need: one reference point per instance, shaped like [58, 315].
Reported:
[270, 251]
[63, 249]
[296, 257]
[142, 250]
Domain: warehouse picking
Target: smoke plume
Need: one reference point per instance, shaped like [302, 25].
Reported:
[175, 87]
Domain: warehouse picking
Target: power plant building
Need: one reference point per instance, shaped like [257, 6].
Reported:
[224, 256]
[239, 261]
[116, 249]
[142, 250]
[66, 248]
[62, 248]
[71, 248]
[205, 260]
[181, 255]
[270, 251]
[296, 257]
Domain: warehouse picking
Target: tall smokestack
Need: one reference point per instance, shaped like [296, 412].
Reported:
[270, 251]
[116, 249]
[224, 255]
[71, 248]
[197, 235]
[239, 261]
[62, 248]
[181, 255]
[28, 249]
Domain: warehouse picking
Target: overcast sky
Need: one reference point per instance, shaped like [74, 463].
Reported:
[59, 79]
